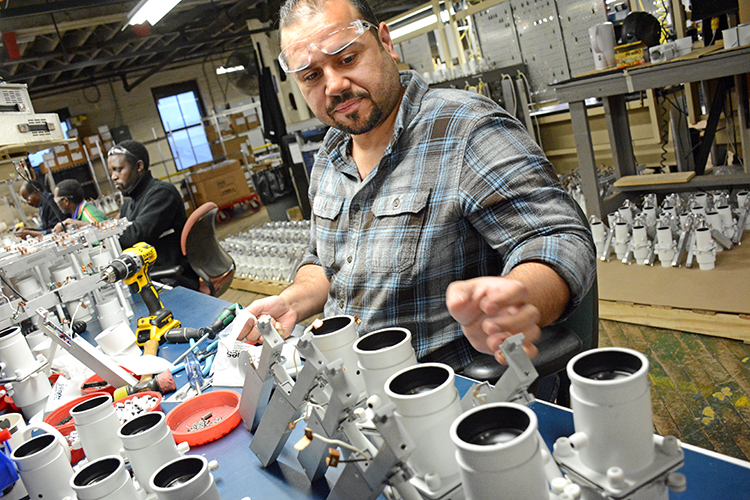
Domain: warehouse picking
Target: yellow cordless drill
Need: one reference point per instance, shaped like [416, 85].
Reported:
[132, 267]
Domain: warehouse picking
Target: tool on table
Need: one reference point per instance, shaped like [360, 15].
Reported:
[163, 383]
[194, 371]
[132, 268]
[176, 335]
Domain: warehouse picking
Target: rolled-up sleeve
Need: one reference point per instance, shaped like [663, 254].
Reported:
[513, 197]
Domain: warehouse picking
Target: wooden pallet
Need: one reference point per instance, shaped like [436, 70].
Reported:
[264, 287]
[717, 324]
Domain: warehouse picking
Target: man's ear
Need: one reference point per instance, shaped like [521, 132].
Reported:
[384, 35]
[140, 166]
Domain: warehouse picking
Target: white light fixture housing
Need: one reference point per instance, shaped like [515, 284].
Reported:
[151, 11]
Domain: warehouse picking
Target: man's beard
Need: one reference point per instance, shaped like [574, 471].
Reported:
[356, 127]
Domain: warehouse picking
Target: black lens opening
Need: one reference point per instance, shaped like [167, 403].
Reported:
[34, 445]
[89, 403]
[96, 472]
[331, 325]
[607, 365]
[140, 424]
[419, 380]
[491, 426]
[178, 473]
[381, 340]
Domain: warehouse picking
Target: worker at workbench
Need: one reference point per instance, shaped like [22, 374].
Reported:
[33, 193]
[69, 197]
[154, 207]
[433, 210]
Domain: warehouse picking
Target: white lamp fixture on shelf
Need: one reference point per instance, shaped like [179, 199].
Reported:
[151, 11]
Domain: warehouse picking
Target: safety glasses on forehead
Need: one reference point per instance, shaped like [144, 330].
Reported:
[330, 40]
[118, 150]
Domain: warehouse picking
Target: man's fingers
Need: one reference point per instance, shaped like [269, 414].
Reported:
[459, 299]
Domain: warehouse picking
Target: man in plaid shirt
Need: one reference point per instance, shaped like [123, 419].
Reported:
[433, 210]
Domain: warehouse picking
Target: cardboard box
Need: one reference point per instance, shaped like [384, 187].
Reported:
[233, 148]
[211, 134]
[92, 141]
[223, 184]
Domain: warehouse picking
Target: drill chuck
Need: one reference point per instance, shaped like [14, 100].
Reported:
[121, 268]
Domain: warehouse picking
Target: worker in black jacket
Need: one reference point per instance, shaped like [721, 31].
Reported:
[33, 193]
[154, 207]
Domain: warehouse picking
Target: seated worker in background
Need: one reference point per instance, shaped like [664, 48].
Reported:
[69, 197]
[154, 207]
[433, 210]
[33, 193]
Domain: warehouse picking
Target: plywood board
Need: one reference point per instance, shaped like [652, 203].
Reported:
[648, 179]
[726, 288]
[730, 326]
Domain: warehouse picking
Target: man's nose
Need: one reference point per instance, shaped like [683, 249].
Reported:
[336, 81]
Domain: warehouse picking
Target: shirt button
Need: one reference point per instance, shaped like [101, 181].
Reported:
[395, 202]
[355, 208]
[341, 304]
[349, 259]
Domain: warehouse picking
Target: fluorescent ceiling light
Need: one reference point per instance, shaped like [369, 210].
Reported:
[419, 24]
[151, 11]
[221, 70]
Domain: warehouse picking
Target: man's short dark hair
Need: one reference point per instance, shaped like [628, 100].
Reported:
[288, 14]
[33, 186]
[137, 152]
[70, 189]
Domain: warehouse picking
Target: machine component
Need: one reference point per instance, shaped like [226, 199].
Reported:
[513, 386]
[499, 449]
[185, 477]
[84, 352]
[163, 383]
[335, 337]
[14, 98]
[613, 453]
[21, 371]
[287, 403]
[132, 268]
[35, 265]
[259, 380]
[367, 480]
[381, 354]
[181, 335]
[148, 444]
[104, 478]
[743, 221]
[22, 128]
[97, 424]
[427, 403]
[44, 466]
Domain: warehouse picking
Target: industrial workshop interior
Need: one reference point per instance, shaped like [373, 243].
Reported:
[252, 249]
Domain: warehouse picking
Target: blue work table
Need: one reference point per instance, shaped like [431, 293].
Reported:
[710, 476]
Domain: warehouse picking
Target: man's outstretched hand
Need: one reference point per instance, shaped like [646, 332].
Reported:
[491, 309]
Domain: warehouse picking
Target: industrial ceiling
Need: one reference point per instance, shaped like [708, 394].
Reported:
[59, 45]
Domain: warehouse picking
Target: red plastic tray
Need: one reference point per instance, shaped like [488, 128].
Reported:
[220, 403]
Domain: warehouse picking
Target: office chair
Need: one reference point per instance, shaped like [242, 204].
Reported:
[210, 262]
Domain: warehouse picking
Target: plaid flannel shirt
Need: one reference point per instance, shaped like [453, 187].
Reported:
[461, 191]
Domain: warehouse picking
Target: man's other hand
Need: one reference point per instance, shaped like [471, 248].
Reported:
[491, 309]
[285, 318]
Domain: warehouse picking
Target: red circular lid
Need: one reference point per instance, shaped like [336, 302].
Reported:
[218, 409]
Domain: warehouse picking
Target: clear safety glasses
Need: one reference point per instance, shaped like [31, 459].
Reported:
[330, 40]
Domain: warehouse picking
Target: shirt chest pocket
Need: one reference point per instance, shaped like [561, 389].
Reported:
[328, 230]
[396, 230]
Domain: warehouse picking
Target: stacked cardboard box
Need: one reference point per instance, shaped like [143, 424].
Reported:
[223, 183]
